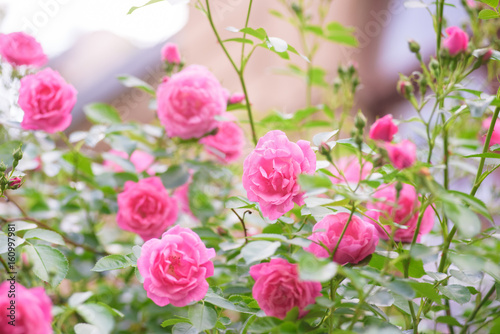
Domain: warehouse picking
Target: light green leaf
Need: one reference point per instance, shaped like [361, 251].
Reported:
[239, 40]
[131, 81]
[45, 235]
[467, 221]
[184, 328]
[456, 292]
[101, 113]
[79, 298]
[133, 9]
[202, 317]
[259, 250]
[488, 14]
[171, 322]
[491, 3]
[98, 316]
[313, 269]
[112, 262]
[175, 176]
[86, 329]
[49, 264]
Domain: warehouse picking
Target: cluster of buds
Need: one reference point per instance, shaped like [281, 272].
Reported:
[7, 180]
[171, 56]
[347, 79]
[359, 124]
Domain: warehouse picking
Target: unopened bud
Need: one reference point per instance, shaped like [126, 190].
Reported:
[15, 183]
[414, 46]
[405, 88]
[360, 120]
[3, 167]
[324, 149]
[18, 154]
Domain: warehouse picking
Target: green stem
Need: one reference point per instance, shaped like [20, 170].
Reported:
[239, 71]
[476, 310]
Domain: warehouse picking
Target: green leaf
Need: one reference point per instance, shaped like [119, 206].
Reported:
[239, 40]
[313, 269]
[102, 113]
[49, 264]
[112, 262]
[336, 32]
[171, 322]
[131, 81]
[456, 292]
[79, 298]
[426, 290]
[466, 220]
[445, 319]
[125, 164]
[257, 33]
[184, 328]
[491, 3]
[45, 235]
[310, 182]
[202, 317]
[97, 315]
[259, 250]
[133, 9]
[6, 150]
[86, 329]
[175, 176]
[221, 302]
[237, 202]
[487, 14]
[484, 155]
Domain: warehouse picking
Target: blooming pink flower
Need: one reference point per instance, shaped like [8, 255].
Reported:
[175, 267]
[236, 98]
[359, 241]
[351, 169]
[402, 210]
[383, 129]
[146, 208]
[140, 159]
[471, 3]
[32, 312]
[170, 53]
[495, 136]
[457, 40]
[227, 144]
[278, 288]
[403, 154]
[47, 101]
[270, 173]
[189, 101]
[19, 48]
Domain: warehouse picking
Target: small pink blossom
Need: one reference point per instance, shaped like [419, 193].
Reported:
[19, 48]
[403, 154]
[32, 311]
[47, 101]
[227, 144]
[237, 98]
[383, 129]
[141, 160]
[175, 267]
[146, 208]
[351, 170]
[270, 173]
[359, 241]
[15, 183]
[495, 136]
[189, 101]
[457, 40]
[402, 210]
[278, 288]
[170, 53]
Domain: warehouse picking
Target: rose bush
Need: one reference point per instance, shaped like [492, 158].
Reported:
[214, 218]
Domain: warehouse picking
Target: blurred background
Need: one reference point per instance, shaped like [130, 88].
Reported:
[91, 42]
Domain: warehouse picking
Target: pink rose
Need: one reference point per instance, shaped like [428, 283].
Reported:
[495, 136]
[170, 53]
[270, 173]
[403, 154]
[140, 159]
[278, 288]
[227, 144]
[351, 169]
[47, 101]
[359, 241]
[19, 48]
[33, 310]
[146, 208]
[383, 129]
[189, 101]
[404, 212]
[236, 98]
[175, 267]
[457, 40]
